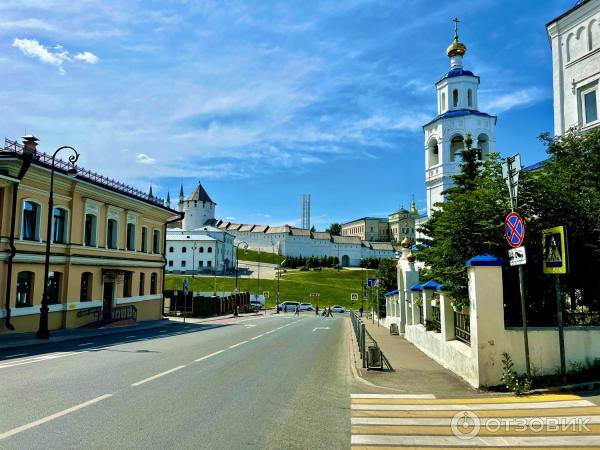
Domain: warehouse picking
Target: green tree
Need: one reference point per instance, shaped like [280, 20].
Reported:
[386, 274]
[335, 229]
[470, 222]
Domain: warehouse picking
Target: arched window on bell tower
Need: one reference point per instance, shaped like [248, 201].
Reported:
[470, 98]
[433, 152]
[457, 143]
[455, 98]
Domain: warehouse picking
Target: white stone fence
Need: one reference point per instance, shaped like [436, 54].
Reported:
[471, 342]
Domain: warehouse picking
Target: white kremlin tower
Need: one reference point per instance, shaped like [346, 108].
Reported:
[458, 117]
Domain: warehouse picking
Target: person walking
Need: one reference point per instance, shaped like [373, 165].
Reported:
[297, 311]
[361, 311]
[317, 311]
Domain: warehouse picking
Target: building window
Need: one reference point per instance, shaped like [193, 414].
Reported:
[443, 101]
[200, 263]
[89, 236]
[590, 108]
[455, 98]
[53, 288]
[182, 263]
[59, 225]
[111, 233]
[144, 240]
[171, 263]
[183, 249]
[170, 249]
[131, 237]
[156, 242]
[470, 97]
[24, 289]
[85, 294]
[208, 263]
[142, 283]
[127, 281]
[31, 216]
[209, 250]
[153, 283]
[201, 250]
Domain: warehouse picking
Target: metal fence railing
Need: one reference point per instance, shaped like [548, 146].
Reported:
[371, 355]
[462, 327]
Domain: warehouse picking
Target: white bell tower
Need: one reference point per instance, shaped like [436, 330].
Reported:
[458, 116]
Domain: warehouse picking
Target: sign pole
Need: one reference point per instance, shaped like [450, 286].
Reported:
[561, 331]
[524, 317]
[510, 172]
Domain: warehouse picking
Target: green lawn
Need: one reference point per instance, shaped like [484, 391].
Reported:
[334, 287]
[252, 255]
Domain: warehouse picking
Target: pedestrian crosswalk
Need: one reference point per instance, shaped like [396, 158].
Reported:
[382, 421]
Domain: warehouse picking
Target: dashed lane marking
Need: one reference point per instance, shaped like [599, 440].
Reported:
[158, 375]
[209, 356]
[36, 423]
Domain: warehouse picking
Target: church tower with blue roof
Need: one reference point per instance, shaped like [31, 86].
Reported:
[458, 116]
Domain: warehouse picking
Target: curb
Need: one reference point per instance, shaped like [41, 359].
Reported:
[32, 342]
[587, 386]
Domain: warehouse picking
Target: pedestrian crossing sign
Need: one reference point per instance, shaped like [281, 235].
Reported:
[554, 242]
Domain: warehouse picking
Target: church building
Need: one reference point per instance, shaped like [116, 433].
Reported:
[458, 117]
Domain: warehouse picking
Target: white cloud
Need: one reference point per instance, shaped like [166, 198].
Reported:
[142, 158]
[88, 57]
[521, 97]
[33, 49]
[55, 56]
[30, 24]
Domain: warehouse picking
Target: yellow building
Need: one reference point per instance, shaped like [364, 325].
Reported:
[107, 245]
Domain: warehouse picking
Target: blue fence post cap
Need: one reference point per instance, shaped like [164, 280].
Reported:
[484, 260]
[416, 287]
[431, 285]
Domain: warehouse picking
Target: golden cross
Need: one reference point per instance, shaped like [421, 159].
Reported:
[456, 26]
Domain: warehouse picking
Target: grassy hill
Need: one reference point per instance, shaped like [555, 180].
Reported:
[334, 287]
[252, 255]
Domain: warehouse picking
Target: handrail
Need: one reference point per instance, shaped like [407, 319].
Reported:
[366, 341]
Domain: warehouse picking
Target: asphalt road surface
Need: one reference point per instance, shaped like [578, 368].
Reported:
[274, 382]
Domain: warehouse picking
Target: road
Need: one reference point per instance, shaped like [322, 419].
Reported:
[274, 382]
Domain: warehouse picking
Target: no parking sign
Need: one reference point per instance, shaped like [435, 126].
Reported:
[515, 229]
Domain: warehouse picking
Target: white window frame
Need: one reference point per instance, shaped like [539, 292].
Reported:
[38, 228]
[93, 209]
[67, 230]
[582, 94]
[144, 242]
[127, 236]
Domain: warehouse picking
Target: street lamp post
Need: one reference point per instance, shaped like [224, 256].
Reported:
[237, 260]
[194, 247]
[43, 331]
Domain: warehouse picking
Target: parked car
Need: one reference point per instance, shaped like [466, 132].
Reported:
[338, 309]
[306, 307]
[256, 306]
[289, 306]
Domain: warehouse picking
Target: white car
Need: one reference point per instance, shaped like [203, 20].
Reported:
[288, 306]
[306, 307]
[338, 309]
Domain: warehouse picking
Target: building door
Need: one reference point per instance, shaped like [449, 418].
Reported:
[345, 261]
[109, 295]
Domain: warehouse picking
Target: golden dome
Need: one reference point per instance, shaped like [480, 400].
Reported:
[411, 257]
[456, 48]
[405, 242]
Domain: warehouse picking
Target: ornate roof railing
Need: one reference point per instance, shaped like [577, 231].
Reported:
[85, 174]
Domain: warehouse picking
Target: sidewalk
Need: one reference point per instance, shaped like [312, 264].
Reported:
[16, 340]
[414, 372]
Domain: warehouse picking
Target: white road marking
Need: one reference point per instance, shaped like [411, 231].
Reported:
[475, 407]
[162, 331]
[256, 337]
[162, 374]
[209, 356]
[35, 359]
[404, 396]
[52, 417]
[85, 343]
[250, 325]
[447, 421]
[15, 355]
[553, 441]
[129, 337]
[320, 328]
[238, 344]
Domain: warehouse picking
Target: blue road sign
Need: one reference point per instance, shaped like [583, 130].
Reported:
[186, 286]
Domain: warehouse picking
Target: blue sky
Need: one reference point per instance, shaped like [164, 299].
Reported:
[265, 100]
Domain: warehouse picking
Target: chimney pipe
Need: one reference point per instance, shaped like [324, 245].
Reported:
[30, 144]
